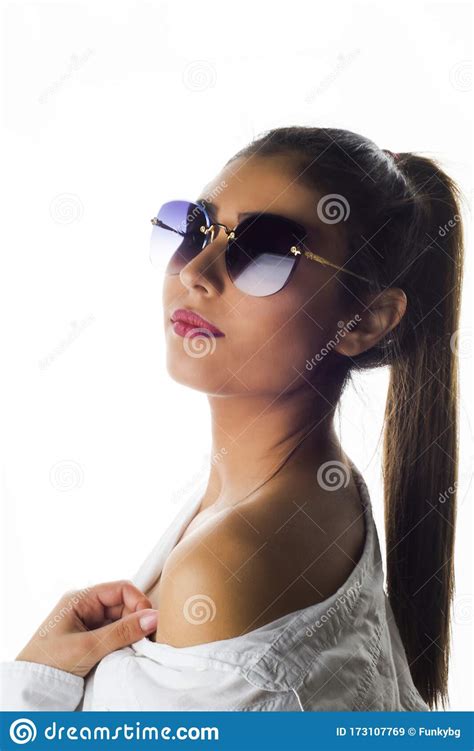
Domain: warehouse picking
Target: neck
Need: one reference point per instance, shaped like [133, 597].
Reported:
[259, 435]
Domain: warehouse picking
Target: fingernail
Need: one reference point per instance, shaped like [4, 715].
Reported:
[148, 621]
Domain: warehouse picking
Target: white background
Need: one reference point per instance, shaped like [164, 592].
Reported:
[108, 109]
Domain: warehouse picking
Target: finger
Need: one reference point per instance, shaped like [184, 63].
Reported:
[119, 611]
[109, 600]
[123, 632]
[114, 612]
[121, 592]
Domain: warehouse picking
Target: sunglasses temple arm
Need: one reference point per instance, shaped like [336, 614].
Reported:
[325, 262]
[159, 223]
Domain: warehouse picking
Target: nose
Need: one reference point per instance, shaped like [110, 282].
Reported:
[207, 269]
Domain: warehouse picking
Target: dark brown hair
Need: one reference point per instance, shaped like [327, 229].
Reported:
[404, 230]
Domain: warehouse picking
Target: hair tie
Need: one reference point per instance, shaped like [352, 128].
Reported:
[394, 156]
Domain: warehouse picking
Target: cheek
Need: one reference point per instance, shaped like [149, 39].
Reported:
[281, 333]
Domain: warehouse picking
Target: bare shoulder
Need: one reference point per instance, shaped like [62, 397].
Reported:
[257, 562]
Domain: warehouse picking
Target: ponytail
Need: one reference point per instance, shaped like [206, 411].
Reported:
[420, 454]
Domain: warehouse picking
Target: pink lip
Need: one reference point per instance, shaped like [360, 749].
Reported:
[185, 321]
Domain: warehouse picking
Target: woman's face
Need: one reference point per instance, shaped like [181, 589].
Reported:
[268, 340]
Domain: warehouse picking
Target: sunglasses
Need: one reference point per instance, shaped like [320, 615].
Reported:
[261, 254]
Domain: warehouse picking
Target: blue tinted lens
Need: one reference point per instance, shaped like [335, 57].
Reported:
[176, 237]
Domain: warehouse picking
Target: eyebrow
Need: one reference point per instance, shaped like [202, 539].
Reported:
[213, 210]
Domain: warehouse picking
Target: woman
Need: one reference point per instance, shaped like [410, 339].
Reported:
[311, 255]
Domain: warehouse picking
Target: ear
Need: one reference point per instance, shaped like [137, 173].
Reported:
[380, 314]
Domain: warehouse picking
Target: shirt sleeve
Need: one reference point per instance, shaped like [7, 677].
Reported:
[32, 686]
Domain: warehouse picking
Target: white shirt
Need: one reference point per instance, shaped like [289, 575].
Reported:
[342, 654]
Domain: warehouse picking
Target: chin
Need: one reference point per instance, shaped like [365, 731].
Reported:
[199, 374]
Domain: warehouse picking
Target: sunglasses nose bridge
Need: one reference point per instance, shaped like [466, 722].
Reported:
[213, 230]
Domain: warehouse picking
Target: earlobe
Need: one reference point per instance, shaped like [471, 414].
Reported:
[351, 345]
[381, 314]
[357, 341]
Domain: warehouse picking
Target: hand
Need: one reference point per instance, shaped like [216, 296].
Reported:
[88, 624]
